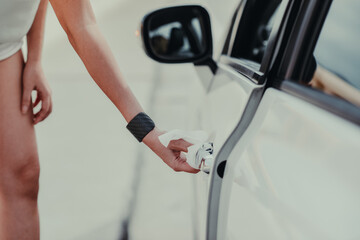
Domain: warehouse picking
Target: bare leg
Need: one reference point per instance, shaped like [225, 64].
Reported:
[19, 165]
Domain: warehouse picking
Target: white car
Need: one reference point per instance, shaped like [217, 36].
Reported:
[283, 100]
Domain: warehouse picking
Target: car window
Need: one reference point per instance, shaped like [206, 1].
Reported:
[337, 52]
[254, 31]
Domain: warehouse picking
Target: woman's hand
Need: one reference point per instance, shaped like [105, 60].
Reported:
[172, 154]
[34, 79]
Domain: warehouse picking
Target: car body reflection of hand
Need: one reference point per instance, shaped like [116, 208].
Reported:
[332, 84]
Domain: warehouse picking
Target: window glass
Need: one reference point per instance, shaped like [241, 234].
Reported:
[338, 52]
[254, 31]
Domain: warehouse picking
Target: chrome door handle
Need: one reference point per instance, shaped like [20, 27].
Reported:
[204, 157]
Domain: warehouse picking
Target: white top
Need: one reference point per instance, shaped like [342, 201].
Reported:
[16, 18]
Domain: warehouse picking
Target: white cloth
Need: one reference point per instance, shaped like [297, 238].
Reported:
[195, 137]
[16, 18]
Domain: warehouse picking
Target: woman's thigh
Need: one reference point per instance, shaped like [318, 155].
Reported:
[18, 150]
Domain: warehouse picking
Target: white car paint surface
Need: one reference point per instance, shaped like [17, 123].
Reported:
[293, 175]
[217, 117]
[220, 112]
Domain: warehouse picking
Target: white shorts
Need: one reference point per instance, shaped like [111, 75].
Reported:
[9, 49]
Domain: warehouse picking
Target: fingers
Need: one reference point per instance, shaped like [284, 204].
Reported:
[182, 166]
[186, 168]
[46, 106]
[171, 155]
[26, 98]
[179, 145]
[175, 160]
[37, 101]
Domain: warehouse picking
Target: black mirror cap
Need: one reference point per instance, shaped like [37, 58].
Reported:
[206, 29]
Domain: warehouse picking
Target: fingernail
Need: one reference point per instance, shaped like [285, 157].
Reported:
[24, 109]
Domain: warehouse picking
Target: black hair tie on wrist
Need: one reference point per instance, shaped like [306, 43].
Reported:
[140, 126]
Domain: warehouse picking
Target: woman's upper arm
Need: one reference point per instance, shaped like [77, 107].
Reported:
[73, 15]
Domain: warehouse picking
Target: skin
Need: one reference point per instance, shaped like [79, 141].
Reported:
[19, 164]
[33, 76]
[332, 84]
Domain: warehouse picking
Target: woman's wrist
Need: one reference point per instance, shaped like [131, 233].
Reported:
[33, 62]
[140, 126]
[152, 138]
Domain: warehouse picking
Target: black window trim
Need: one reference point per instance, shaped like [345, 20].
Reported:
[300, 49]
[301, 44]
[337, 106]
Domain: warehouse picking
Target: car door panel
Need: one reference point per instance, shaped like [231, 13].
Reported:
[230, 103]
[220, 113]
[226, 102]
[293, 175]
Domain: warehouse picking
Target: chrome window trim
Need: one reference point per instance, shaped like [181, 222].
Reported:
[239, 13]
[243, 68]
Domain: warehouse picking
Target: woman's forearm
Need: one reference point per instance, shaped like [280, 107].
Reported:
[98, 59]
[78, 21]
[35, 36]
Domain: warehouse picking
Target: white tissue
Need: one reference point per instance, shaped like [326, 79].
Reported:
[197, 138]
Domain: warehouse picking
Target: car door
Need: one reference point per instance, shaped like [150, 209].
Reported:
[278, 142]
[231, 98]
[293, 174]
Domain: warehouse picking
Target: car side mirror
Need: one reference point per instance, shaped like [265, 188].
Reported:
[179, 34]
